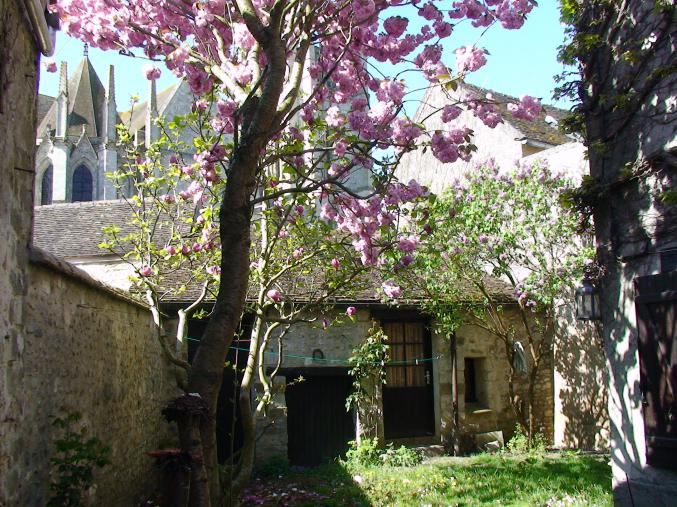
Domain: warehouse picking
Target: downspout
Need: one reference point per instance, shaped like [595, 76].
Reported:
[455, 446]
[44, 34]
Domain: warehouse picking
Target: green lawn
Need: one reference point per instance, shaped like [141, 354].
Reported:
[552, 480]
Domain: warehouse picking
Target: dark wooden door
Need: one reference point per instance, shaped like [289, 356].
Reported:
[656, 308]
[318, 425]
[408, 392]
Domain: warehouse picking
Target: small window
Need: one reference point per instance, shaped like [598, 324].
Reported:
[470, 380]
[46, 186]
[475, 381]
[668, 260]
[82, 185]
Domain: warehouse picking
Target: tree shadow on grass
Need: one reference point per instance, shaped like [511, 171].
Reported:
[328, 485]
[530, 480]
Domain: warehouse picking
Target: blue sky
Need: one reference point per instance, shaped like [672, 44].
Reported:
[520, 61]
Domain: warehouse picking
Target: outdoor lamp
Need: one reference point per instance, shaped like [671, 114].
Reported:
[587, 302]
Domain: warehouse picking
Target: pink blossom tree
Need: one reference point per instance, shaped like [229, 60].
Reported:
[297, 84]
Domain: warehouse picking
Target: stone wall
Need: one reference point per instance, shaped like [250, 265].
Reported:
[493, 411]
[90, 350]
[580, 383]
[18, 54]
[633, 223]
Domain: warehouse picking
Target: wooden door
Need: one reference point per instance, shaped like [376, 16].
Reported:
[656, 308]
[318, 425]
[408, 392]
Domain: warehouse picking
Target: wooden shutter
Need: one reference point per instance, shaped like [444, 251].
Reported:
[656, 309]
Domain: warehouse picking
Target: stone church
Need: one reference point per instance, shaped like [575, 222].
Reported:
[76, 135]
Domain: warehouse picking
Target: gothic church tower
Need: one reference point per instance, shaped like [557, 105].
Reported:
[76, 138]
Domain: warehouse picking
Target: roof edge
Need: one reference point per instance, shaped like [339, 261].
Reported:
[40, 257]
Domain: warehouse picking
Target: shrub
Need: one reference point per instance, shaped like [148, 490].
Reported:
[519, 443]
[368, 454]
[401, 456]
[74, 462]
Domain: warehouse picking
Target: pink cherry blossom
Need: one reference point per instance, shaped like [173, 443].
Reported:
[145, 271]
[335, 263]
[334, 118]
[391, 290]
[469, 59]
[528, 108]
[351, 311]
[450, 112]
[274, 295]
[50, 66]
[395, 25]
[152, 72]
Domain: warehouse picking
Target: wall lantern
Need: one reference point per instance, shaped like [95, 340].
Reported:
[587, 302]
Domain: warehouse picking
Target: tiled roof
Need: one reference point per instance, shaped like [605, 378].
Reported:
[74, 230]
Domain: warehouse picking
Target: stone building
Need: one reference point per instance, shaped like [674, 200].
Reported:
[445, 379]
[630, 112]
[68, 343]
[76, 134]
[581, 416]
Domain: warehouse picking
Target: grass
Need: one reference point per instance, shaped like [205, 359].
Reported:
[517, 480]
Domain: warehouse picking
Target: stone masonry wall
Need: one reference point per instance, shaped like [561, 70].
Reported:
[494, 414]
[493, 411]
[18, 64]
[88, 350]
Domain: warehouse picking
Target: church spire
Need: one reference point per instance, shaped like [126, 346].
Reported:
[152, 131]
[110, 107]
[62, 103]
[85, 51]
[110, 92]
[63, 79]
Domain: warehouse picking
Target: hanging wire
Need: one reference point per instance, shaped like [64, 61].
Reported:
[412, 362]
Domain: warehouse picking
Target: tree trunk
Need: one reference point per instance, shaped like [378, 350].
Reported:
[258, 116]
[247, 453]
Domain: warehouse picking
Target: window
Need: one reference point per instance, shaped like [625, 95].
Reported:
[46, 186]
[474, 376]
[407, 341]
[82, 185]
[668, 260]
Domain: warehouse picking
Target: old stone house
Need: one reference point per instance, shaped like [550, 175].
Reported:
[580, 394]
[633, 170]
[443, 379]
